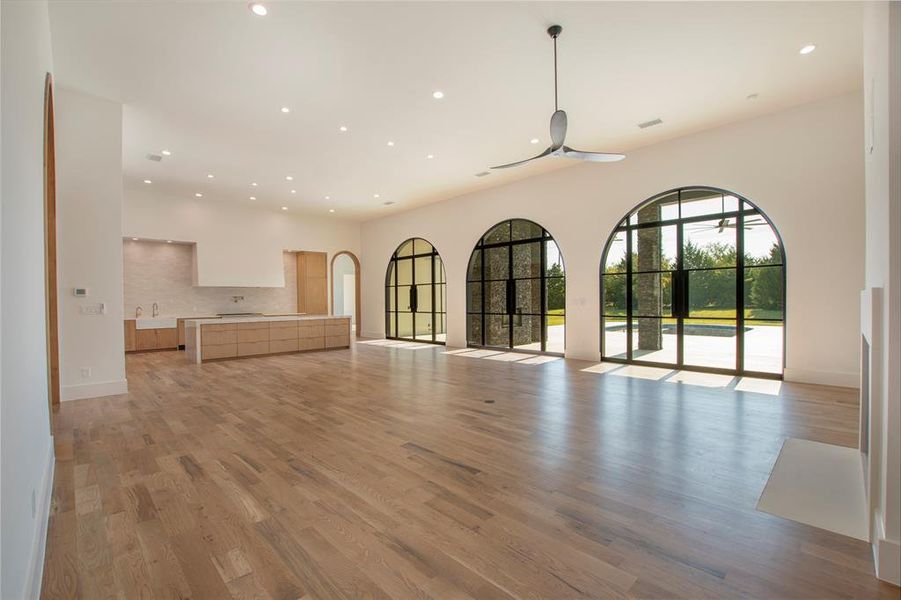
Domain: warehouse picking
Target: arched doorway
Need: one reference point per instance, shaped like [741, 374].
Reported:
[416, 294]
[695, 278]
[516, 290]
[346, 301]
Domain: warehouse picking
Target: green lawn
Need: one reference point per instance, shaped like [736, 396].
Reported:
[555, 317]
[711, 315]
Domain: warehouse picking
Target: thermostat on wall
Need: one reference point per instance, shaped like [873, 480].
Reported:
[80, 292]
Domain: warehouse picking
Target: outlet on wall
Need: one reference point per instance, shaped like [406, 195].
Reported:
[85, 372]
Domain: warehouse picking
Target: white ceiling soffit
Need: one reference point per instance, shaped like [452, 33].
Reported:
[207, 80]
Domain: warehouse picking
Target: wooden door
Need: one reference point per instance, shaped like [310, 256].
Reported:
[312, 283]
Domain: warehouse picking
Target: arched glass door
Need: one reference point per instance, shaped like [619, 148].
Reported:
[416, 294]
[516, 289]
[695, 278]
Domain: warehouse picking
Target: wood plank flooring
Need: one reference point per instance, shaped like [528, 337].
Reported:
[391, 473]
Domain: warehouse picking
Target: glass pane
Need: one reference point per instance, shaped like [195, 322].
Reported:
[440, 328]
[654, 340]
[424, 325]
[528, 296]
[527, 332]
[710, 343]
[615, 338]
[764, 293]
[474, 272]
[403, 298]
[555, 334]
[496, 297]
[652, 294]
[553, 260]
[497, 331]
[527, 260]
[406, 249]
[658, 209]
[498, 233]
[424, 298]
[391, 295]
[439, 270]
[392, 332]
[526, 230]
[712, 293]
[497, 262]
[763, 346]
[405, 272]
[615, 261]
[389, 280]
[555, 294]
[761, 243]
[474, 329]
[421, 246]
[441, 298]
[613, 301]
[654, 248]
[423, 269]
[705, 202]
[405, 325]
[473, 297]
[708, 244]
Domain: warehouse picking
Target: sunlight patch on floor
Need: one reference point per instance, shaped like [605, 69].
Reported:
[771, 387]
[397, 344]
[711, 380]
[507, 357]
[759, 386]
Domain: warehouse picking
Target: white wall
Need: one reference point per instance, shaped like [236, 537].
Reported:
[89, 200]
[236, 245]
[163, 273]
[801, 166]
[27, 447]
[342, 295]
[882, 124]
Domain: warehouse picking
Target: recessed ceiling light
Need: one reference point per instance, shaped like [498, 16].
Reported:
[342, 128]
[253, 197]
[534, 141]
[134, 239]
[388, 203]
[286, 110]
[390, 143]
[289, 178]
[430, 156]
[147, 181]
[168, 241]
[753, 96]
[284, 208]
[254, 184]
[293, 191]
[328, 197]
[376, 196]
[808, 48]
[437, 94]
[331, 210]
[166, 153]
[209, 176]
[259, 9]
[198, 195]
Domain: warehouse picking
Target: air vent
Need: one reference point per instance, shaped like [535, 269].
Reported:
[389, 203]
[483, 174]
[154, 157]
[651, 123]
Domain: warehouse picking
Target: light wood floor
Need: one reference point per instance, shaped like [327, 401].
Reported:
[382, 472]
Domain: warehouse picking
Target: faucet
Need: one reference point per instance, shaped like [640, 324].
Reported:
[156, 310]
[138, 312]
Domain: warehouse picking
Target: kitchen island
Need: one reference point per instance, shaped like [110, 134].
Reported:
[238, 337]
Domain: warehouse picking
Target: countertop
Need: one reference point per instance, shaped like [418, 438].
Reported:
[262, 318]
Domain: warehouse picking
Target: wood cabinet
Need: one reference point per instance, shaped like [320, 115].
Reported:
[260, 337]
[151, 339]
[312, 283]
[130, 335]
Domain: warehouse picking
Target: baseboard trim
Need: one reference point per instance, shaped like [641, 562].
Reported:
[94, 390]
[886, 555]
[849, 380]
[39, 543]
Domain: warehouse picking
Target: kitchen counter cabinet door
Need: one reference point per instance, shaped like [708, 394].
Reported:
[145, 339]
[166, 338]
[130, 335]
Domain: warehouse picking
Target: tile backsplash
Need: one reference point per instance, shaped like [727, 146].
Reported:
[162, 273]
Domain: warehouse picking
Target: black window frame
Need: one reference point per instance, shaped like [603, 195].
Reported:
[437, 266]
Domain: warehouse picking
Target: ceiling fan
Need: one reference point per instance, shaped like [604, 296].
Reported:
[558, 127]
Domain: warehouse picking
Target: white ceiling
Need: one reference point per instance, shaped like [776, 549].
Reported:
[206, 80]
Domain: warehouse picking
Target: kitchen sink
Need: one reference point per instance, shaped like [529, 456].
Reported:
[156, 322]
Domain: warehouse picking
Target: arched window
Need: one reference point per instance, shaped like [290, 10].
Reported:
[416, 294]
[695, 279]
[516, 289]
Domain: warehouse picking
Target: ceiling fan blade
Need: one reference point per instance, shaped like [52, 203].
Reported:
[520, 162]
[558, 129]
[591, 156]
